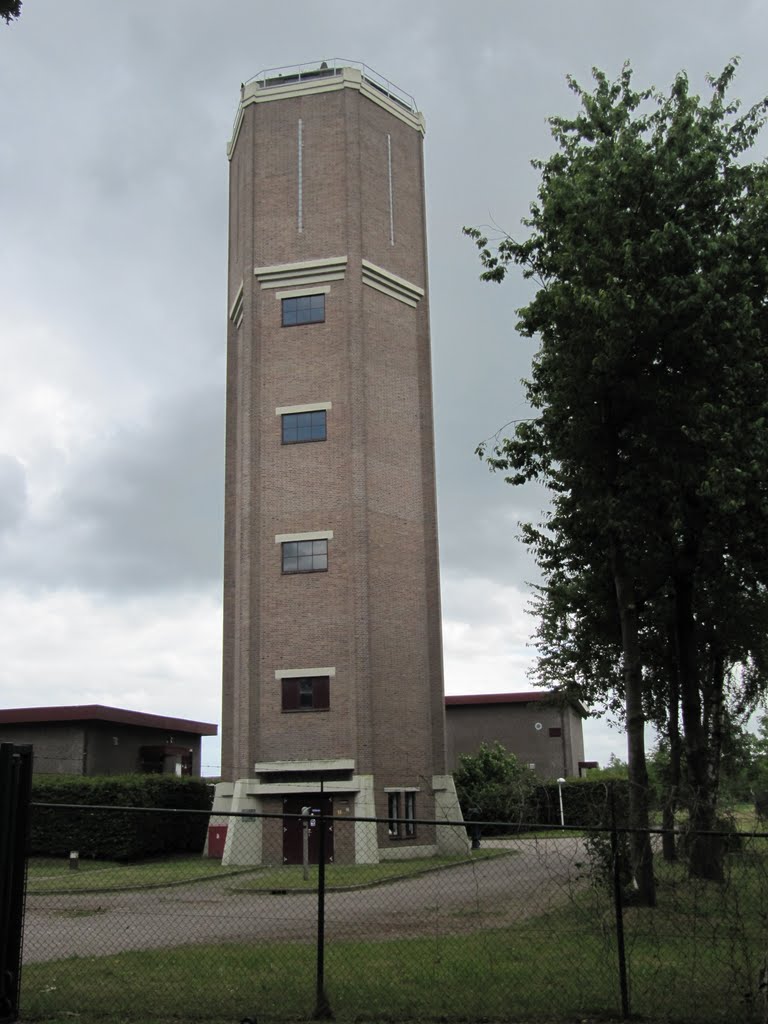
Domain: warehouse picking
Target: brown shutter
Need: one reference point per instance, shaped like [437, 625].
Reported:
[290, 694]
[321, 692]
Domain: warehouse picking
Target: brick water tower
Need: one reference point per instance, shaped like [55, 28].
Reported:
[332, 677]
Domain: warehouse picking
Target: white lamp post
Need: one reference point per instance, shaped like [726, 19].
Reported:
[560, 783]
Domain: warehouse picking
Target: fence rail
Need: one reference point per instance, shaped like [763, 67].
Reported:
[530, 925]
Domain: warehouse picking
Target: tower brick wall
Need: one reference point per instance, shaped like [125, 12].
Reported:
[327, 197]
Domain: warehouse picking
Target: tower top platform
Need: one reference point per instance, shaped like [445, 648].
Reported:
[325, 76]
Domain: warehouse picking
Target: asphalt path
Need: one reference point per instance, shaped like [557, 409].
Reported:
[536, 876]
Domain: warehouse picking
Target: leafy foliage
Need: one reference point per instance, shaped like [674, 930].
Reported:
[118, 834]
[493, 785]
[10, 9]
[649, 246]
[590, 802]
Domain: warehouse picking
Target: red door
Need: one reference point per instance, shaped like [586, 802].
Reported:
[292, 828]
[217, 837]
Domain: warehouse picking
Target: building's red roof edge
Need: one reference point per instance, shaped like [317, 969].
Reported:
[102, 713]
[512, 698]
[499, 698]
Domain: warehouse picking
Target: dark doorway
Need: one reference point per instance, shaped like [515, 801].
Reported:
[292, 828]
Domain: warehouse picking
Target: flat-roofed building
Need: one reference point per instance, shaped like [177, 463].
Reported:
[539, 728]
[93, 739]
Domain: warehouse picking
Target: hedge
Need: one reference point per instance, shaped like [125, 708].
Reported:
[118, 834]
[585, 803]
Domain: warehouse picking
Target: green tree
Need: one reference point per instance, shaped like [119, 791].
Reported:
[492, 785]
[10, 9]
[648, 242]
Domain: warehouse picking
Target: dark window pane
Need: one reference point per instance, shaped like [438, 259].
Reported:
[304, 309]
[393, 811]
[410, 814]
[318, 425]
[289, 427]
[306, 694]
[303, 426]
[305, 556]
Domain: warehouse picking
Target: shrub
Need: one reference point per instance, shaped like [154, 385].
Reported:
[493, 786]
[103, 826]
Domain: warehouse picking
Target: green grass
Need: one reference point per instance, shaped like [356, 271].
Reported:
[695, 958]
[49, 874]
[744, 816]
[539, 969]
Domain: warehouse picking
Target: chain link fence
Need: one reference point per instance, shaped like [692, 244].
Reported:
[300, 918]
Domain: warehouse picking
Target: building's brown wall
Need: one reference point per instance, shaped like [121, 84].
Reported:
[375, 615]
[89, 748]
[104, 756]
[57, 748]
[514, 726]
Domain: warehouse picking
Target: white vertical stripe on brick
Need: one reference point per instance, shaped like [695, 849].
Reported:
[391, 205]
[300, 156]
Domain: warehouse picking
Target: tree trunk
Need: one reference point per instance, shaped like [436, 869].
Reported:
[639, 838]
[668, 844]
[705, 855]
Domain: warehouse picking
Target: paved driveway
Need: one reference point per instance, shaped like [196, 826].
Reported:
[536, 876]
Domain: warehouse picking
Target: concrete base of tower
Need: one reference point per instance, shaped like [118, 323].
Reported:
[262, 825]
[260, 822]
[452, 837]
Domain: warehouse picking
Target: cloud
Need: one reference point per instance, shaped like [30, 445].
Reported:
[160, 655]
[13, 493]
[112, 301]
[486, 636]
[137, 511]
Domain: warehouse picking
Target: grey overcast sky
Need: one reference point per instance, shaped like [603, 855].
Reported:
[113, 192]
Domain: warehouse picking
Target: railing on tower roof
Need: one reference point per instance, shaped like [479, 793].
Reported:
[273, 77]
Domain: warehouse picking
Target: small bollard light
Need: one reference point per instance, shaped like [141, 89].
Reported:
[474, 829]
[74, 860]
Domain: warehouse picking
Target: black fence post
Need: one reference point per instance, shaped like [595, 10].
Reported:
[322, 1006]
[15, 797]
[618, 908]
